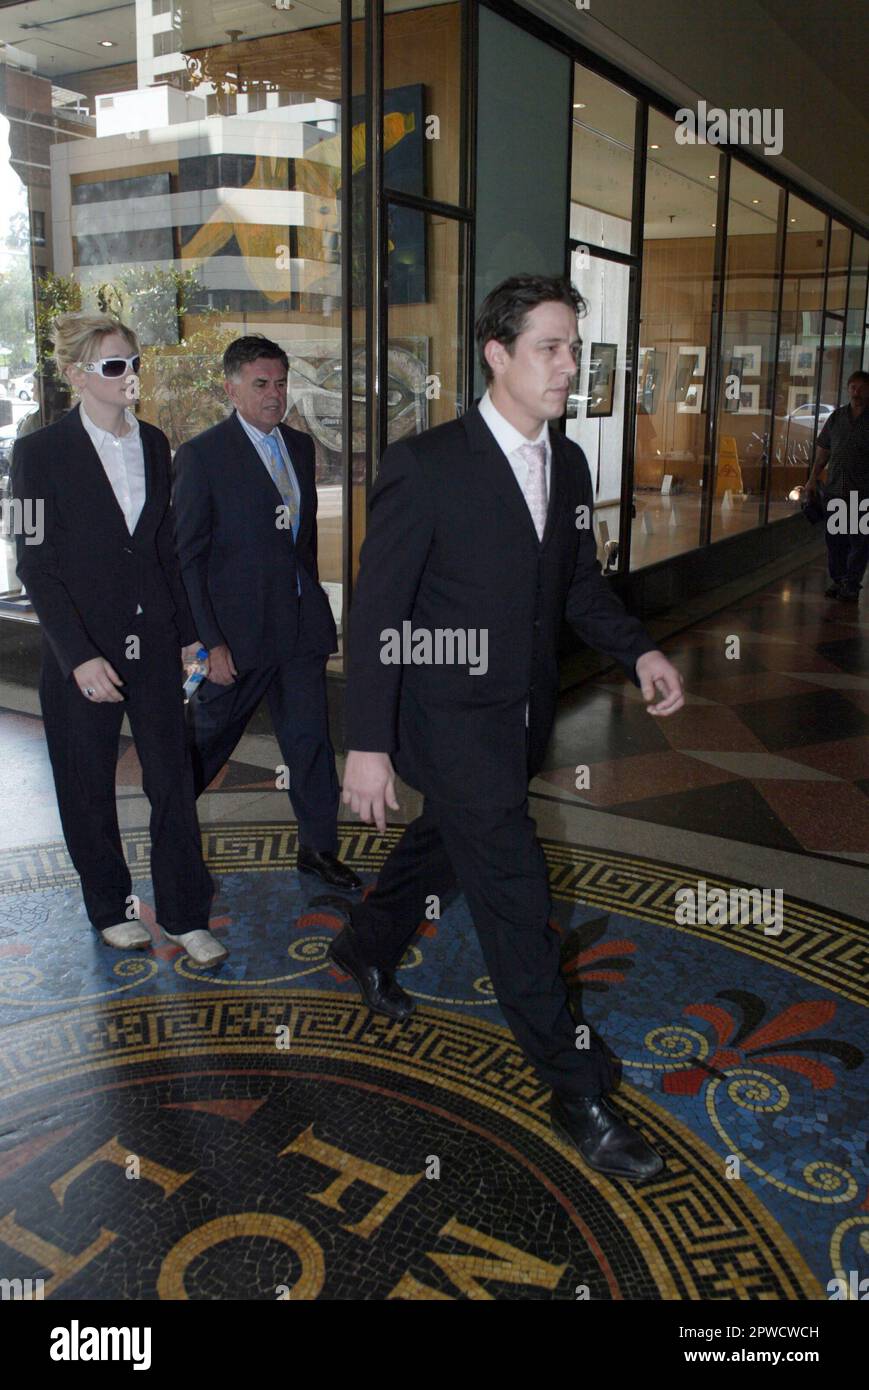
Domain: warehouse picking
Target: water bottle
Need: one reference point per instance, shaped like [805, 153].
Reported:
[197, 675]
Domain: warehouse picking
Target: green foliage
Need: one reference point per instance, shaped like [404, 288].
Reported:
[16, 313]
[182, 383]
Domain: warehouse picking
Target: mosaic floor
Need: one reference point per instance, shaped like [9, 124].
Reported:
[253, 1133]
[169, 1132]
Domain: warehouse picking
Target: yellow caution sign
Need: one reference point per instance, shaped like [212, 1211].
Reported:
[728, 474]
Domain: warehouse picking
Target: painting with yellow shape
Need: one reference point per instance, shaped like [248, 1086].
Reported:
[317, 175]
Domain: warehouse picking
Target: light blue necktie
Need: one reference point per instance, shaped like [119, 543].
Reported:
[279, 474]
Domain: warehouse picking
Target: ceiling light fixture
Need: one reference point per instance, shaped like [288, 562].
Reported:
[107, 43]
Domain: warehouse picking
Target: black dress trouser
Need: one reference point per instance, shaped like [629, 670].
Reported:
[83, 739]
[296, 694]
[493, 855]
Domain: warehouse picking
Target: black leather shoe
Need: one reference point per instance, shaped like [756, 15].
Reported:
[605, 1141]
[328, 867]
[378, 988]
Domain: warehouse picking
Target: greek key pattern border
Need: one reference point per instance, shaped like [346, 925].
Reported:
[827, 949]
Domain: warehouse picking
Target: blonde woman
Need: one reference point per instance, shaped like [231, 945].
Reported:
[105, 585]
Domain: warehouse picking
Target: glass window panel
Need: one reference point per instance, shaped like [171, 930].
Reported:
[596, 408]
[425, 337]
[799, 347]
[675, 323]
[602, 165]
[834, 316]
[856, 313]
[193, 187]
[748, 335]
[422, 81]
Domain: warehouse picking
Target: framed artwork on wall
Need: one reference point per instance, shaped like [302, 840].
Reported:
[749, 400]
[693, 401]
[690, 368]
[648, 377]
[803, 360]
[752, 358]
[601, 380]
[799, 397]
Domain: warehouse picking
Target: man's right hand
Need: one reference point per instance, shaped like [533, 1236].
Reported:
[369, 786]
[100, 677]
[221, 665]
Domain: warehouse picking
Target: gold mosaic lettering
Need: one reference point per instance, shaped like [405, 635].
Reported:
[170, 1283]
[395, 1186]
[112, 1152]
[410, 1287]
[505, 1263]
[48, 1256]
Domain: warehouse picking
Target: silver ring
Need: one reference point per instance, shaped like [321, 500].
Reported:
[88, 691]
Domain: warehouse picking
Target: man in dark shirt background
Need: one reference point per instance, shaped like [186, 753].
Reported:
[844, 444]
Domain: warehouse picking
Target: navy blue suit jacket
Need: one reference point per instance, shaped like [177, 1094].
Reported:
[240, 567]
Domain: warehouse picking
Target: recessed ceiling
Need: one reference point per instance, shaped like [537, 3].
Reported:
[64, 35]
[832, 36]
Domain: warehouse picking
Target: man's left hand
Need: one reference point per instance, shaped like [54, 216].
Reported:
[658, 676]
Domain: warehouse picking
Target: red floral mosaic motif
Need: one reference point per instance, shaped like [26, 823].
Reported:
[742, 1036]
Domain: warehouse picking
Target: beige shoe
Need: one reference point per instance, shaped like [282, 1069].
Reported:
[201, 946]
[127, 936]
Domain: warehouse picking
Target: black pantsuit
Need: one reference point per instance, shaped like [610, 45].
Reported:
[88, 579]
[82, 742]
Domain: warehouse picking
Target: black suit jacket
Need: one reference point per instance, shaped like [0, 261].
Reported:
[451, 545]
[89, 575]
[239, 567]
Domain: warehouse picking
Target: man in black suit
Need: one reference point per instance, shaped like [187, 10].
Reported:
[246, 530]
[479, 541]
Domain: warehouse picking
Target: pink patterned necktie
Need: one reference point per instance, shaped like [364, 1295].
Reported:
[535, 486]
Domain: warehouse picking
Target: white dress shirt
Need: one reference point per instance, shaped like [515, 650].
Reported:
[257, 438]
[123, 459]
[509, 440]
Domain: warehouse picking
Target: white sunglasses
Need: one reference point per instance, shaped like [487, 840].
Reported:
[113, 366]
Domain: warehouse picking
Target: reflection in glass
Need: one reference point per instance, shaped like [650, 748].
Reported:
[596, 408]
[422, 49]
[748, 336]
[675, 321]
[602, 168]
[855, 317]
[193, 188]
[796, 396]
[834, 314]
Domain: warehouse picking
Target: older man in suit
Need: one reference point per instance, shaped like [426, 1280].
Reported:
[246, 531]
[482, 527]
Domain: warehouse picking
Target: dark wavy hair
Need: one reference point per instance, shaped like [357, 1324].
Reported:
[250, 349]
[504, 312]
